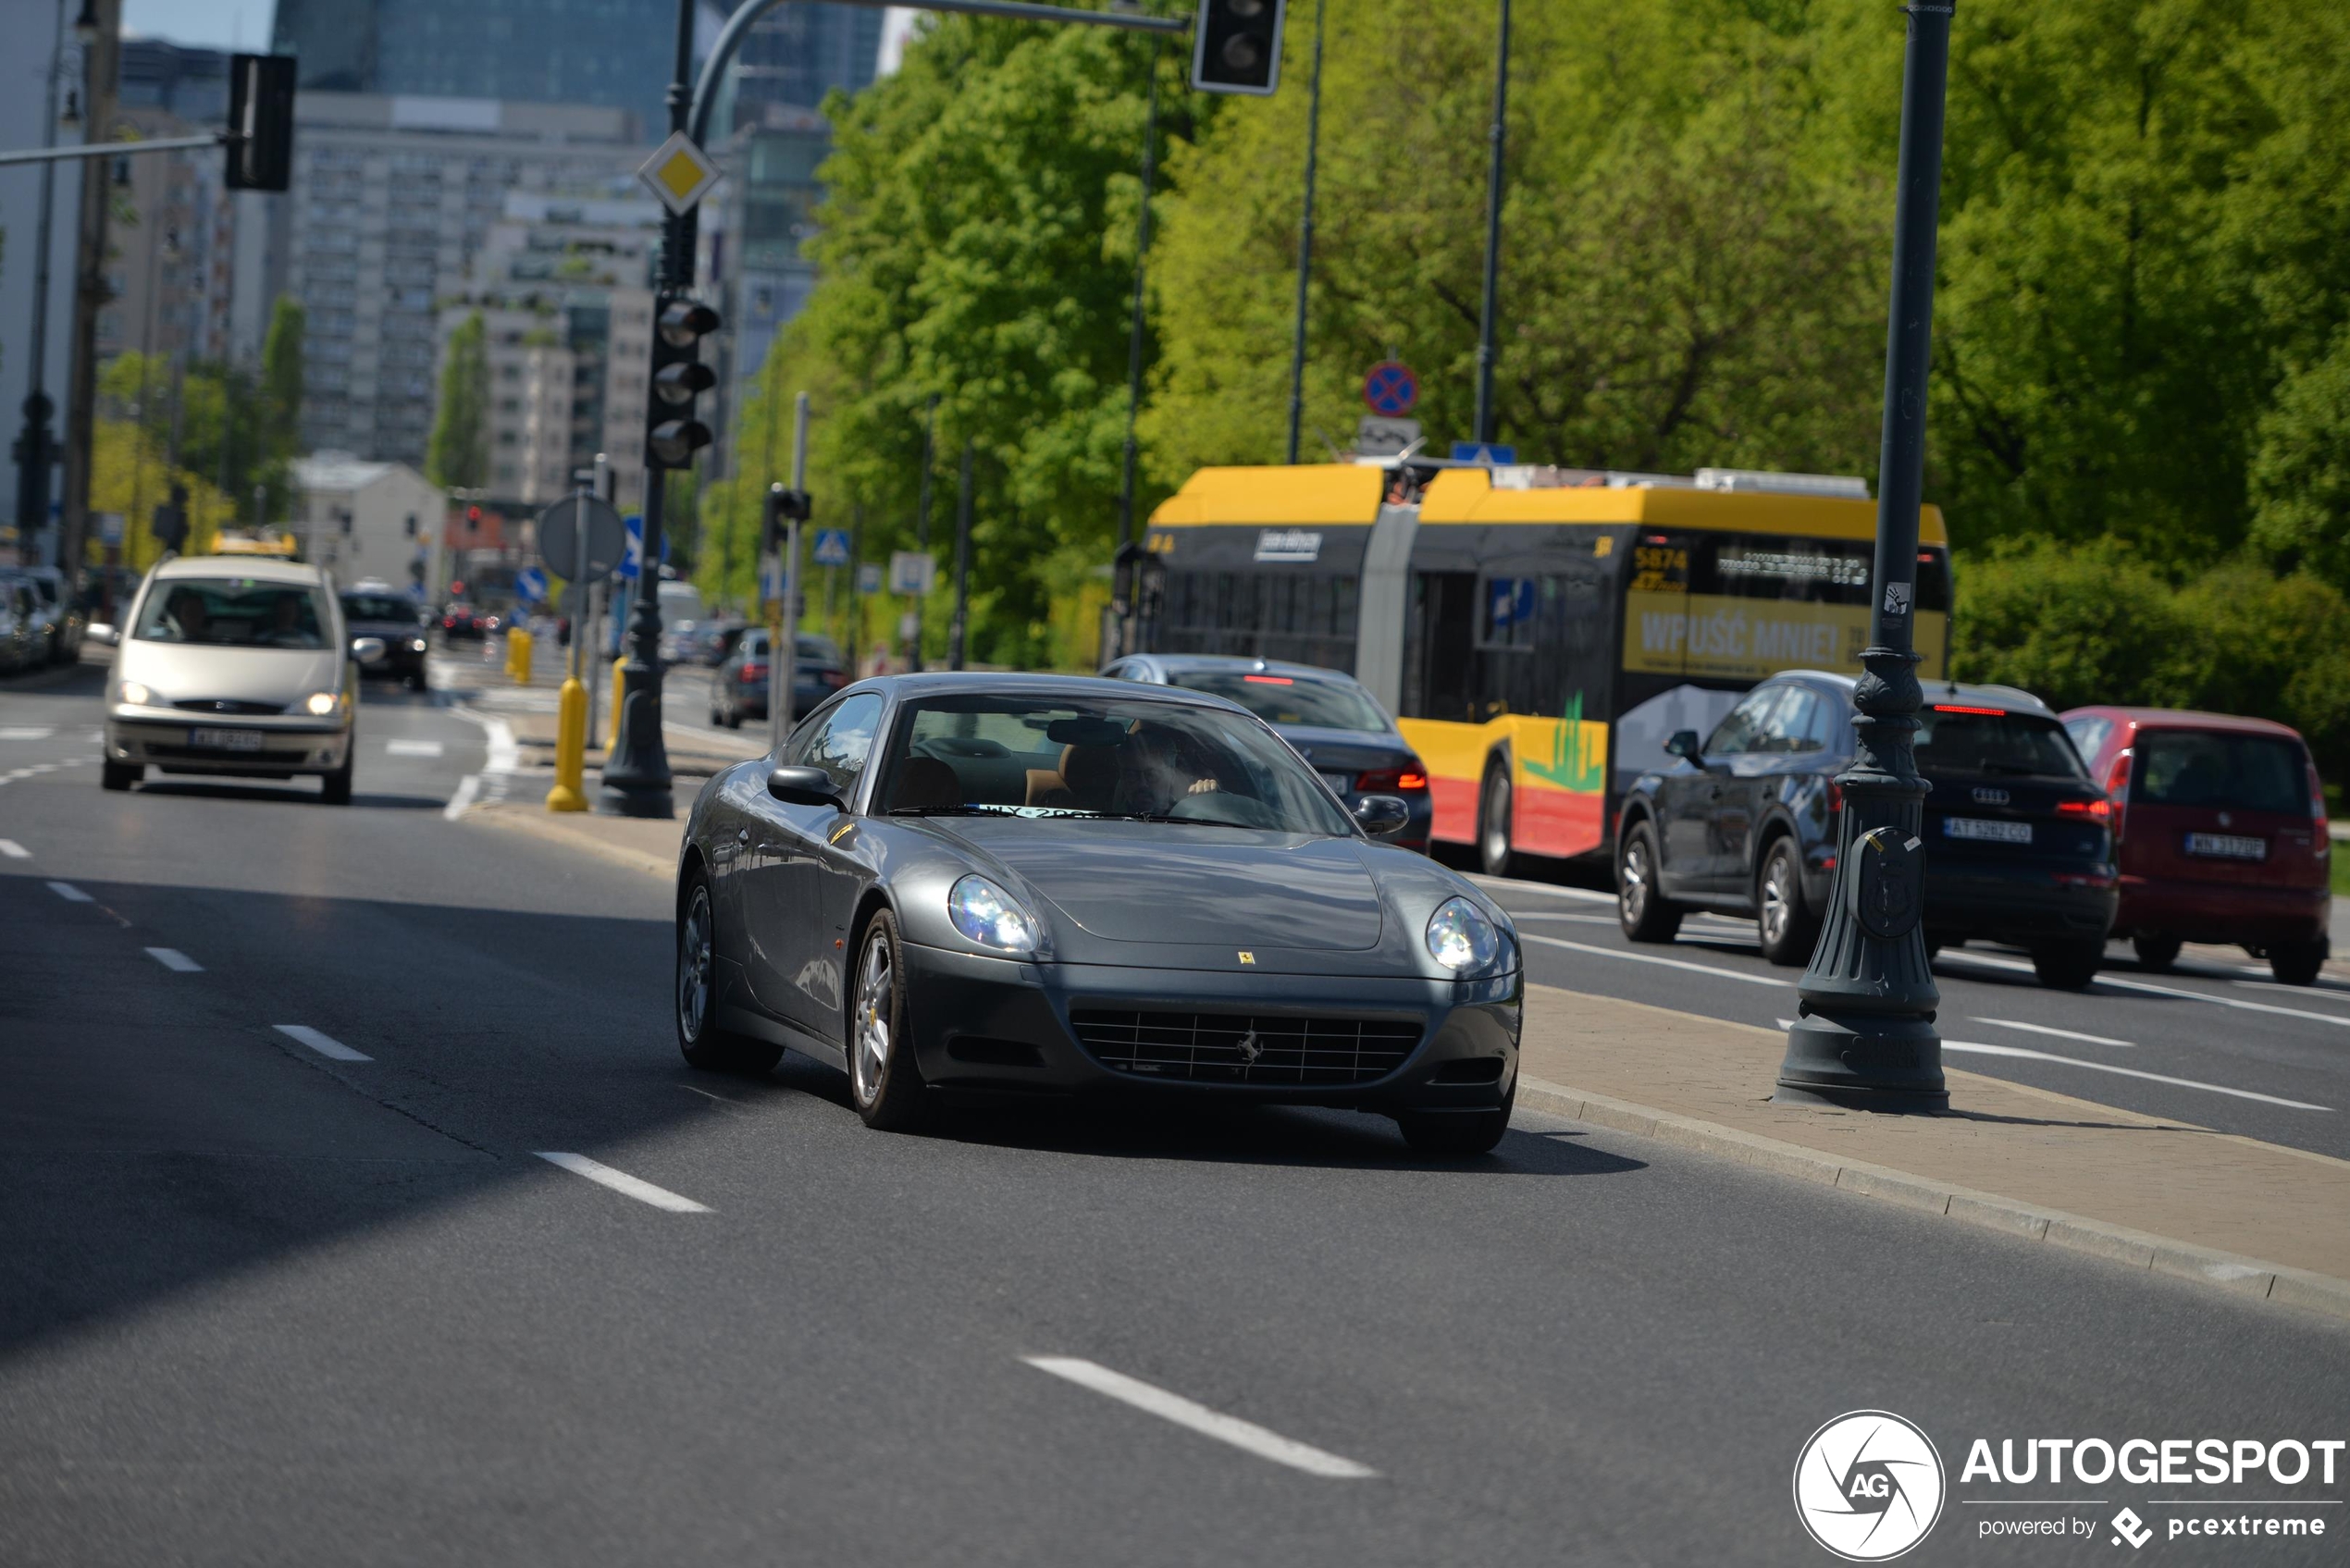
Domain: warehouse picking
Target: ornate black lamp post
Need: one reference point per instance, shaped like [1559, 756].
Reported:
[1866, 1035]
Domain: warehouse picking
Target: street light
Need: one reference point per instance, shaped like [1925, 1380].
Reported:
[1864, 1033]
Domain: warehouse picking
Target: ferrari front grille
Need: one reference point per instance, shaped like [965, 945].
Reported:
[1246, 1048]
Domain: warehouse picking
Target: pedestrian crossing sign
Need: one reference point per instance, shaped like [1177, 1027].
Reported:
[679, 173]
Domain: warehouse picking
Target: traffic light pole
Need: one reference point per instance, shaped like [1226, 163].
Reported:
[636, 780]
[1864, 1033]
[1304, 248]
[1487, 314]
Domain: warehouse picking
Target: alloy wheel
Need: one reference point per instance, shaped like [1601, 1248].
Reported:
[693, 967]
[870, 1059]
[1497, 822]
[1634, 893]
[1778, 900]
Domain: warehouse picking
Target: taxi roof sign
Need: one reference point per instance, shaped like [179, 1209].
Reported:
[679, 173]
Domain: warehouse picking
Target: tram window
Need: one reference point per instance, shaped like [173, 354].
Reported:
[1306, 618]
[1509, 614]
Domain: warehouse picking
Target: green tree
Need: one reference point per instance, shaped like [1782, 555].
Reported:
[282, 375]
[457, 454]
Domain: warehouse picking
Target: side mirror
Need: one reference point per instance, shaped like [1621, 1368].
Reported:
[1684, 743]
[804, 787]
[1382, 816]
[102, 633]
[367, 650]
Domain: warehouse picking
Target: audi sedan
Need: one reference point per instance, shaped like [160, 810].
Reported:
[1040, 885]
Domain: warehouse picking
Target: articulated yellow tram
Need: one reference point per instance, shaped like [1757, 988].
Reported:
[1539, 633]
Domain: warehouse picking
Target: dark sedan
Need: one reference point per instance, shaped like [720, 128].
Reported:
[1028, 885]
[399, 623]
[1333, 722]
[2018, 841]
[738, 690]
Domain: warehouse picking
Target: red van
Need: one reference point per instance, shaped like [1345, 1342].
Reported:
[2222, 831]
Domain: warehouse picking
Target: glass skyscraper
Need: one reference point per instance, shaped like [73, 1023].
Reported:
[611, 54]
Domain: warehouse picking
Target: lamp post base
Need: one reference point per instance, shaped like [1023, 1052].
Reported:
[1862, 1062]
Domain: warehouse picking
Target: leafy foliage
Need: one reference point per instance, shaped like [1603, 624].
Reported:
[457, 452]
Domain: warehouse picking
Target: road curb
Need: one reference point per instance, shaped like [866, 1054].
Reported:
[2136, 1249]
[535, 822]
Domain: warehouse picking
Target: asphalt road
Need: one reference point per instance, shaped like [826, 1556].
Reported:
[284, 1277]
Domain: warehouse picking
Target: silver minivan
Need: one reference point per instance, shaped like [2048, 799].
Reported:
[231, 665]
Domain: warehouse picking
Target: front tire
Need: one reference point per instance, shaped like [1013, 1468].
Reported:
[699, 1040]
[2068, 966]
[1641, 908]
[884, 1080]
[1788, 927]
[1494, 804]
[120, 776]
[1457, 1134]
[2297, 963]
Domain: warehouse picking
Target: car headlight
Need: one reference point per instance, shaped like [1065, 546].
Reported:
[1461, 938]
[415, 645]
[990, 917]
[322, 702]
[136, 694]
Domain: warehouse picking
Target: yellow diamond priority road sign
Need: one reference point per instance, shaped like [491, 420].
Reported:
[679, 172]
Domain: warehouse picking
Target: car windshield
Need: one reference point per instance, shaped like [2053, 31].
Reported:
[1292, 699]
[1091, 758]
[2206, 768]
[377, 607]
[1957, 738]
[234, 612]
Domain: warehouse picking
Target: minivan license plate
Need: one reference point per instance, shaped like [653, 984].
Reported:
[1996, 832]
[225, 740]
[2227, 847]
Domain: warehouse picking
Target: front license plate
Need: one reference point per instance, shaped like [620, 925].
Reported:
[2227, 847]
[225, 740]
[1987, 830]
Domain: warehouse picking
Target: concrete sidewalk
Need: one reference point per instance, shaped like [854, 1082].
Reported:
[2251, 1217]
[2254, 1217]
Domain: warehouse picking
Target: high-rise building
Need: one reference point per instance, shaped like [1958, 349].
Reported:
[391, 198]
[614, 53]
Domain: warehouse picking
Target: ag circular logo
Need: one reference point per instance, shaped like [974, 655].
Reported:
[1868, 1485]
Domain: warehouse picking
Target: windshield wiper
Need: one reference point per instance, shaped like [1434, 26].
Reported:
[1163, 817]
[945, 811]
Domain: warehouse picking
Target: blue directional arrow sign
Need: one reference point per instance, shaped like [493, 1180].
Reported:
[632, 563]
[530, 585]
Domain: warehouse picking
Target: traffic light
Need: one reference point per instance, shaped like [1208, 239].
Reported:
[1237, 46]
[673, 434]
[261, 102]
[783, 505]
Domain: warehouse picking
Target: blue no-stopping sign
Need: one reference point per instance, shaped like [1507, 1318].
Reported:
[1391, 388]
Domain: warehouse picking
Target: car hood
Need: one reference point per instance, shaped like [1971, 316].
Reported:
[1170, 883]
[178, 671]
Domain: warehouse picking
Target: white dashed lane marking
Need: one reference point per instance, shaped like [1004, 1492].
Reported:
[622, 1182]
[325, 1045]
[411, 749]
[26, 731]
[13, 850]
[1245, 1435]
[2059, 1033]
[175, 960]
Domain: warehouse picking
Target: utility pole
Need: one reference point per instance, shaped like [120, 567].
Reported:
[1493, 234]
[1306, 241]
[960, 630]
[783, 658]
[101, 57]
[36, 447]
[1864, 1033]
[636, 777]
[921, 522]
[1134, 323]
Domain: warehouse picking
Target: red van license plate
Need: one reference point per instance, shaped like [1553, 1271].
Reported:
[2227, 847]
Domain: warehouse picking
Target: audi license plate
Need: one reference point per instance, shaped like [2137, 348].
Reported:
[1987, 830]
[225, 740]
[2227, 847]
[1342, 784]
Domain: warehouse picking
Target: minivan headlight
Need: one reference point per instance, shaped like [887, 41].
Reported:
[136, 694]
[990, 917]
[1461, 938]
[322, 702]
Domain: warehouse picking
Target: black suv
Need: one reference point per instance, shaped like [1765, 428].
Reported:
[2018, 841]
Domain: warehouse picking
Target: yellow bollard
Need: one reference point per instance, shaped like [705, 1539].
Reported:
[571, 746]
[518, 652]
[619, 700]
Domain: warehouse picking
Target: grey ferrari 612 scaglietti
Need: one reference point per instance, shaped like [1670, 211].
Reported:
[1040, 885]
